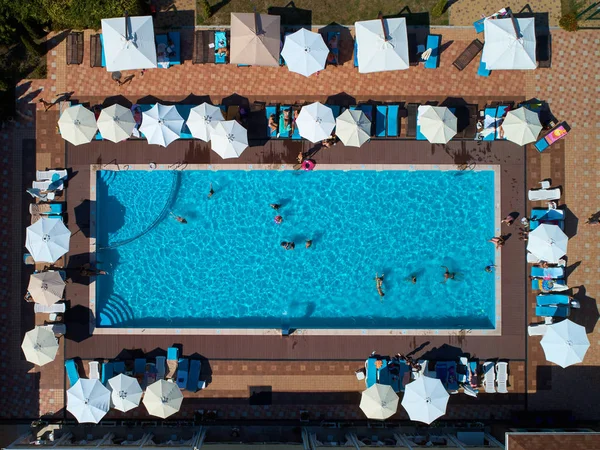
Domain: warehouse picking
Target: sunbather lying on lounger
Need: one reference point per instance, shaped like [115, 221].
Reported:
[287, 120]
[273, 123]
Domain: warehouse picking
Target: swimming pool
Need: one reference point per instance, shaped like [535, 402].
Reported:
[225, 268]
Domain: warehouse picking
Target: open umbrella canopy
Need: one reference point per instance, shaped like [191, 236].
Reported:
[509, 44]
[46, 288]
[548, 242]
[315, 122]
[116, 123]
[228, 139]
[255, 39]
[88, 400]
[565, 343]
[382, 45]
[40, 346]
[126, 392]
[521, 126]
[77, 125]
[305, 52]
[163, 399]
[425, 399]
[47, 240]
[202, 119]
[128, 43]
[353, 128]
[161, 124]
[379, 402]
[437, 123]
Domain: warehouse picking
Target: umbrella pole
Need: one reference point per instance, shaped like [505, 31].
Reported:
[380, 17]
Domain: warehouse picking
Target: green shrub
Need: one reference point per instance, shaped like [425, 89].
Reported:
[204, 9]
[32, 48]
[80, 14]
[439, 8]
[569, 22]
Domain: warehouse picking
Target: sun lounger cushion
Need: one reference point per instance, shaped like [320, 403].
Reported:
[296, 131]
[355, 53]
[541, 145]
[220, 42]
[47, 309]
[489, 377]
[371, 369]
[552, 272]
[161, 367]
[392, 120]
[119, 367]
[172, 353]
[285, 131]
[139, 366]
[175, 48]
[380, 120]
[271, 111]
[553, 299]
[72, 372]
[433, 43]
[383, 373]
[182, 372]
[552, 311]
[547, 214]
[543, 194]
[193, 376]
[478, 24]
[52, 175]
[537, 284]
[107, 372]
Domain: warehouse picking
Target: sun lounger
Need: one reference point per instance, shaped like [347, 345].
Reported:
[172, 358]
[502, 377]
[119, 367]
[271, 110]
[489, 377]
[59, 329]
[94, 370]
[553, 299]
[193, 376]
[170, 42]
[139, 366]
[441, 372]
[462, 370]
[295, 131]
[48, 185]
[72, 371]
[380, 120]
[552, 272]
[46, 208]
[535, 195]
[335, 109]
[537, 284]
[355, 53]
[97, 58]
[371, 372]
[468, 54]
[392, 121]
[537, 329]
[433, 43]
[285, 131]
[220, 42]
[478, 25]
[482, 70]
[383, 373]
[161, 367]
[182, 372]
[557, 133]
[543, 50]
[75, 48]
[48, 309]
[552, 311]
[452, 386]
[107, 372]
[52, 175]
[333, 43]
[411, 129]
[203, 52]
[473, 374]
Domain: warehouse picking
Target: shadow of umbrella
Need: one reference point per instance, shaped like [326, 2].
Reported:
[587, 315]
[196, 100]
[342, 99]
[82, 217]
[444, 353]
[461, 111]
[116, 100]
[78, 320]
[235, 100]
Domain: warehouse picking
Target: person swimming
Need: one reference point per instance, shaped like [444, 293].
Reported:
[379, 284]
[308, 243]
[447, 275]
[211, 192]
[178, 218]
[287, 245]
[275, 206]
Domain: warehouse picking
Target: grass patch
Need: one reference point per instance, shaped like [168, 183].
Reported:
[325, 11]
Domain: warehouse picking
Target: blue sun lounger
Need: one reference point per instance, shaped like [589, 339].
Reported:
[383, 374]
[452, 380]
[478, 25]
[500, 115]
[553, 272]
[392, 120]
[553, 299]
[118, 367]
[139, 366]
[175, 38]
[552, 311]
[296, 132]
[285, 131]
[220, 42]
[441, 372]
[355, 53]
[72, 372]
[182, 372]
[335, 109]
[184, 112]
[371, 375]
[271, 110]
[536, 283]
[482, 71]
[433, 42]
[193, 375]
[380, 120]
[107, 372]
[489, 123]
[103, 54]
[397, 381]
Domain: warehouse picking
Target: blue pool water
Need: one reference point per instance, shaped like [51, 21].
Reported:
[226, 269]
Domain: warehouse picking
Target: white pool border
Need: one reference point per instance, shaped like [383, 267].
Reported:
[497, 331]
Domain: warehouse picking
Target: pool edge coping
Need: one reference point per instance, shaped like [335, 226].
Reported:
[497, 331]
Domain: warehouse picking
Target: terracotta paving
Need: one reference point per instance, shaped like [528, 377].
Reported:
[571, 89]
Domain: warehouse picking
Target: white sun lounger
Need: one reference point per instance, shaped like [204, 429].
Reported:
[48, 309]
[502, 376]
[49, 185]
[489, 377]
[537, 329]
[94, 370]
[47, 175]
[535, 195]
[161, 367]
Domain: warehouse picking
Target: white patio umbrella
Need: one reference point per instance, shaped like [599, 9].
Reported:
[88, 400]
[315, 122]
[161, 124]
[305, 52]
[437, 123]
[77, 125]
[163, 399]
[425, 399]
[126, 392]
[47, 240]
[521, 126]
[201, 120]
[565, 343]
[116, 123]
[548, 242]
[509, 44]
[128, 43]
[46, 288]
[228, 139]
[379, 402]
[40, 346]
[382, 45]
[353, 128]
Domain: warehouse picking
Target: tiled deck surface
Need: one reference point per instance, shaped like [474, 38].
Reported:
[571, 88]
